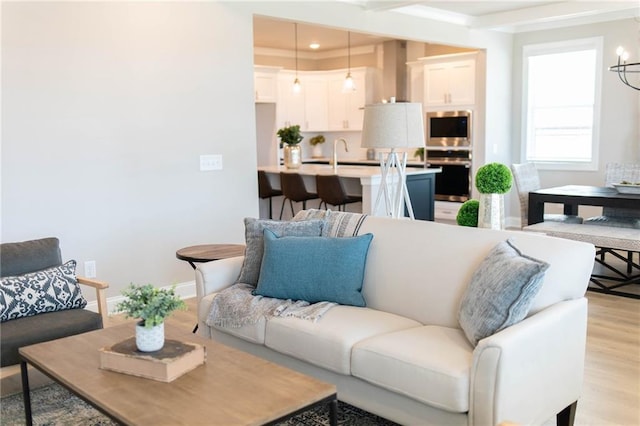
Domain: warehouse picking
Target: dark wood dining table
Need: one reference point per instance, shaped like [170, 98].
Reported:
[573, 196]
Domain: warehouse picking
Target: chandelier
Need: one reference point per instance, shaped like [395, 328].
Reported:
[623, 67]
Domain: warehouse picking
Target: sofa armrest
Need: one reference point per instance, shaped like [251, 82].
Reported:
[532, 370]
[101, 296]
[217, 275]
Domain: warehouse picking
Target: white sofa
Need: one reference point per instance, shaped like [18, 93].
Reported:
[405, 357]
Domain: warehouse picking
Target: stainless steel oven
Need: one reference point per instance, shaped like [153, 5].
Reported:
[454, 182]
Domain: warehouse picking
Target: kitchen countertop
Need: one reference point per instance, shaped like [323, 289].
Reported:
[347, 171]
[351, 162]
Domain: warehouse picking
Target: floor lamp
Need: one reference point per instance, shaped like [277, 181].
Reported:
[393, 126]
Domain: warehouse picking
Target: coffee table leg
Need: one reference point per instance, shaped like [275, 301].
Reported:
[333, 412]
[26, 392]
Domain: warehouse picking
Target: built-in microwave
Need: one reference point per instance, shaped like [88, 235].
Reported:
[449, 129]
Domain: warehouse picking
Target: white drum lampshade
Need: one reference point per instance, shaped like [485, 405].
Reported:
[391, 126]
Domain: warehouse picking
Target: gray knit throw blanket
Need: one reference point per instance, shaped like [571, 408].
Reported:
[235, 306]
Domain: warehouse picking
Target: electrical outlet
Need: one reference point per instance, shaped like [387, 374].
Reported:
[210, 162]
[90, 269]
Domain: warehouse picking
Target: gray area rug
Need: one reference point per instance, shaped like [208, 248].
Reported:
[54, 405]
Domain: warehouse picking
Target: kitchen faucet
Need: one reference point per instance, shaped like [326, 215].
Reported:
[335, 152]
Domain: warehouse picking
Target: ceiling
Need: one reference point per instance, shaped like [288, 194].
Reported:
[507, 16]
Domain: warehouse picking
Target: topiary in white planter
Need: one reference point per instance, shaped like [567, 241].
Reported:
[493, 180]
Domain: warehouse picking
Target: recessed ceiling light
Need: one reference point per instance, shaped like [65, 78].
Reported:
[314, 45]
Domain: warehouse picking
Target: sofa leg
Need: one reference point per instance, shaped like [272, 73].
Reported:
[567, 416]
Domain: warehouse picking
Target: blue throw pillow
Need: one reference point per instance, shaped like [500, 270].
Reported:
[254, 230]
[314, 269]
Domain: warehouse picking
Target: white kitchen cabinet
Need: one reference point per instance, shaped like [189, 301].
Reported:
[322, 105]
[290, 106]
[315, 103]
[346, 108]
[265, 80]
[449, 80]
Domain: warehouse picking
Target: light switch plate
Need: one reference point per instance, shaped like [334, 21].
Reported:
[90, 269]
[210, 162]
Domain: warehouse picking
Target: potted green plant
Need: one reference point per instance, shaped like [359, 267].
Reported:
[493, 180]
[152, 306]
[468, 213]
[316, 143]
[290, 136]
[419, 153]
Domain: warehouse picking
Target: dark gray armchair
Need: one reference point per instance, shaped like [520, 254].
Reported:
[18, 259]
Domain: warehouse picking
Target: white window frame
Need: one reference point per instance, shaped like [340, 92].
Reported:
[594, 43]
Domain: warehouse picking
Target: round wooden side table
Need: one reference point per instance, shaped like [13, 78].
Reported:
[209, 252]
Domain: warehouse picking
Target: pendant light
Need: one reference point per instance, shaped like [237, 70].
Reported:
[349, 84]
[296, 82]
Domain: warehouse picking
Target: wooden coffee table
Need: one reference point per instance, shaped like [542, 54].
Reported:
[231, 388]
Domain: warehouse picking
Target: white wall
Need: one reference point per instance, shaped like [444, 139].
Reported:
[620, 109]
[107, 106]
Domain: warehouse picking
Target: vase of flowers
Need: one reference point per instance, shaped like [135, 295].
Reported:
[152, 306]
[290, 137]
[493, 180]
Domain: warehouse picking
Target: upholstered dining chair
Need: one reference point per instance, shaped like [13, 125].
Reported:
[615, 216]
[266, 190]
[331, 191]
[527, 179]
[294, 189]
[41, 298]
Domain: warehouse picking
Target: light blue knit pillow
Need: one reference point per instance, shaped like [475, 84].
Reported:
[501, 292]
[254, 229]
[314, 269]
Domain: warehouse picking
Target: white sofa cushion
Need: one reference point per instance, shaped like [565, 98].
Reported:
[434, 262]
[430, 364]
[328, 342]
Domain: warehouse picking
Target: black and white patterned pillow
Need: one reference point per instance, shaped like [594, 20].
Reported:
[49, 290]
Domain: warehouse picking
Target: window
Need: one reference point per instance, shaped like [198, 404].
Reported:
[561, 103]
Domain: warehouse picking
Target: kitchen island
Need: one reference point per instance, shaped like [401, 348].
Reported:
[412, 163]
[365, 181]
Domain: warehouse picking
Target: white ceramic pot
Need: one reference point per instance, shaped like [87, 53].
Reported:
[149, 339]
[292, 156]
[491, 211]
[316, 151]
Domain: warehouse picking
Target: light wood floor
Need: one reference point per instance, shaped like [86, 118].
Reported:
[611, 392]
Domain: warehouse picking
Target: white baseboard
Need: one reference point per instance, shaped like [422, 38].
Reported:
[185, 290]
